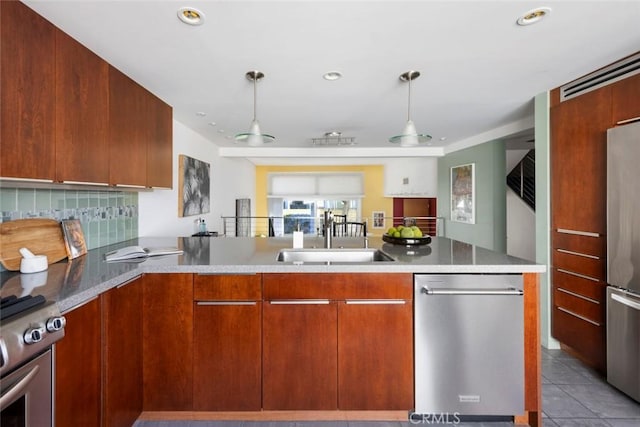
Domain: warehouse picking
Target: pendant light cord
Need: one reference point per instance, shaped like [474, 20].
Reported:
[409, 103]
[255, 96]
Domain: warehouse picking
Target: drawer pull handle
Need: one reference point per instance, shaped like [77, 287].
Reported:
[579, 296]
[564, 251]
[375, 302]
[578, 316]
[626, 301]
[578, 232]
[577, 275]
[223, 303]
[300, 302]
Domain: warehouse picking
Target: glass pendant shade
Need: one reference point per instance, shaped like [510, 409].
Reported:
[254, 137]
[410, 137]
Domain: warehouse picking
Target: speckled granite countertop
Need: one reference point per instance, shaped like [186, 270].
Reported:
[75, 282]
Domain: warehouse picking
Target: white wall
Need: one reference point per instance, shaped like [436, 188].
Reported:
[521, 227]
[231, 179]
[420, 172]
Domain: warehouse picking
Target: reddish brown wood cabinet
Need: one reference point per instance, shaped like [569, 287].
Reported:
[227, 343]
[82, 113]
[122, 341]
[338, 341]
[299, 359]
[167, 328]
[128, 112]
[78, 364]
[68, 116]
[27, 99]
[375, 355]
[578, 206]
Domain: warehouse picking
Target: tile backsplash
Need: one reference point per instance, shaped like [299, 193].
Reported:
[106, 216]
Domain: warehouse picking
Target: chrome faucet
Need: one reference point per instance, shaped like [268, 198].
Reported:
[328, 228]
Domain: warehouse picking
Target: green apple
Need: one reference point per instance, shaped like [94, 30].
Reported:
[406, 233]
[396, 234]
[391, 231]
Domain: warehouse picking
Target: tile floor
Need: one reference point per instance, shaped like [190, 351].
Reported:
[572, 396]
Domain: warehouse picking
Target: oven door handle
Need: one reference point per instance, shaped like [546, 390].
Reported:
[16, 390]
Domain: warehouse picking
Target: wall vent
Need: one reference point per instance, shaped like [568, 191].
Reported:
[614, 72]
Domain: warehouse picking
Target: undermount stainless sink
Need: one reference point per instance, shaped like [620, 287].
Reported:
[333, 255]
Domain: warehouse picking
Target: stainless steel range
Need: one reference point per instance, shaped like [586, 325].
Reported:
[29, 326]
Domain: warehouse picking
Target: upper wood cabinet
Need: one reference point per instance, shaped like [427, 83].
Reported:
[67, 116]
[160, 145]
[578, 161]
[129, 112]
[626, 99]
[27, 99]
[82, 113]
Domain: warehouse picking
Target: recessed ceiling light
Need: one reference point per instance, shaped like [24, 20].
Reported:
[212, 123]
[533, 16]
[443, 138]
[332, 75]
[220, 130]
[201, 114]
[191, 16]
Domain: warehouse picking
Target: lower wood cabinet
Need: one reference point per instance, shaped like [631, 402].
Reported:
[300, 355]
[375, 355]
[122, 340]
[227, 343]
[167, 328]
[78, 364]
[338, 341]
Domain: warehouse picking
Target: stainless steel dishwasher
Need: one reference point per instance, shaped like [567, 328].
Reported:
[469, 344]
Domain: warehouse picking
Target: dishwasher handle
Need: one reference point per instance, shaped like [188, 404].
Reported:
[471, 291]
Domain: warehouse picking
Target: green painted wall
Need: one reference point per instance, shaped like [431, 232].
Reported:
[543, 214]
[490, 228]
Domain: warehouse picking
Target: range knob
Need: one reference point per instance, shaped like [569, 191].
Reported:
[56, 323]
[34, 335]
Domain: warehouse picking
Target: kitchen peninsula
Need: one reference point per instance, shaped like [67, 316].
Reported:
[198, 335]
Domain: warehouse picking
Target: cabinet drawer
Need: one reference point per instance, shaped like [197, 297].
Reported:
[583, 286]
[227, 287]
[588, 308]
[576, 262]
[587, 339]
[585, 244]
[338, 286]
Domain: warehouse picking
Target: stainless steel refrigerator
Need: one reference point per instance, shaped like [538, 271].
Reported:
[623, 259]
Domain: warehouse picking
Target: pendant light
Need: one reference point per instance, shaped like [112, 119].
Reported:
[410, 137]
[254, 137]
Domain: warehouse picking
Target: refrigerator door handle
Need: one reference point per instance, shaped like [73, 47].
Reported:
[471, 291]
[626, 301]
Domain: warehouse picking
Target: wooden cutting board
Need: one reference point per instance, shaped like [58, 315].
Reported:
[40, 235]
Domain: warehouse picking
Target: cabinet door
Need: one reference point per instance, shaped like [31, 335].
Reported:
[375, 356]
[167, 329]
[299, 355]
[78, 362]
[227, 356]
[626, 99]
[82, 114]
[122, 329]
[129, 117]
[578, 161]
[160, 144]
[27, 94]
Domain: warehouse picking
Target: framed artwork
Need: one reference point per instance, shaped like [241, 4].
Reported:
[193, 186]
[463, 193]
[378, 219]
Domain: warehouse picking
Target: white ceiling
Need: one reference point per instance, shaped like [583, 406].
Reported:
[480, 71]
